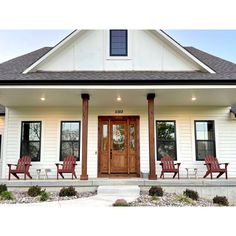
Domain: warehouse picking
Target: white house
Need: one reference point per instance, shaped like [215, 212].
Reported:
[118, 100]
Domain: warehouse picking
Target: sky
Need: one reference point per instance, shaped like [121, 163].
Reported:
[221, 43]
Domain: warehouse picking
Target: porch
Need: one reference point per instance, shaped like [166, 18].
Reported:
[170, 103]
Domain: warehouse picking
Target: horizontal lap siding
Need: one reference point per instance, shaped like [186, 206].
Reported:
[225, 132]
[2, 121]
[184, 116]
[50, 140]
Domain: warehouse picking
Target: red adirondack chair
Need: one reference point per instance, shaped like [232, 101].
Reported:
[168, 166]
[68, 166]
[213, 166]
[22, 167]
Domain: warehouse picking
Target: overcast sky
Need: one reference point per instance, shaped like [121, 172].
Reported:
[14, 43]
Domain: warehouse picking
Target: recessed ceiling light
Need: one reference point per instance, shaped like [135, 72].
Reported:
[118, 98]
[42, 99]
[194, 98]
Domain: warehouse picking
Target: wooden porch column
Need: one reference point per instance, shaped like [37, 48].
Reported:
[85, 99]
[152, 164]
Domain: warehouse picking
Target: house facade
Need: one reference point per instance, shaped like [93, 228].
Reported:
[118, 100]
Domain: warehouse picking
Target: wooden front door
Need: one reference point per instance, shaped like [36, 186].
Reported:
[118, 146]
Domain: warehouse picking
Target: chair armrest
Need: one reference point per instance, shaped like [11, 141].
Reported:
[10, 165]
[75, 164]
[161, 164]
[58, 164]
[224, 164]
[177, 164]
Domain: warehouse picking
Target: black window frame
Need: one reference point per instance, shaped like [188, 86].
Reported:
[0, 146]
[203, 140]
[110, 39]
[40, 139]
[69, 121]
[157, 141]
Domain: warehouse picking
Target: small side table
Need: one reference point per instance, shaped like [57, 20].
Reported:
[38, 173]
[47, 170]
[194, 170]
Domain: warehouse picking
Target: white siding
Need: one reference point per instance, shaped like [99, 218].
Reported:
[184, 116]
[2, 121]
[90, 52]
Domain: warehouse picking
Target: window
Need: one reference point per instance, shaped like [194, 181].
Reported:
[166, 139]
[205, 139]
[31, 139]
[70, 139]
[118, 43]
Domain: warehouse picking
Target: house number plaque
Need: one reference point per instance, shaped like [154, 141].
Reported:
[119, 111]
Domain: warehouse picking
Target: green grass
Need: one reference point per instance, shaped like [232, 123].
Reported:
[185, 199]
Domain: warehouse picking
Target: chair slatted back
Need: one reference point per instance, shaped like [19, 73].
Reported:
[21, 164]
[69, 163]
[213, 161]
[167, 163]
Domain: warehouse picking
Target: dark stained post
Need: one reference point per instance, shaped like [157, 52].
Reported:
[152, 165]
[85, 99]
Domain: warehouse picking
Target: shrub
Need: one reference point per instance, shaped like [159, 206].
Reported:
[121, 202]
[34, 191]
[44, 196]
[156, 191]
[3, 188]
[221, 200]
[70, 191]
[191, 194]
[185, 199]
[6, 195]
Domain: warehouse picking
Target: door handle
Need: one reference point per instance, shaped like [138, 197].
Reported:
[110, 153]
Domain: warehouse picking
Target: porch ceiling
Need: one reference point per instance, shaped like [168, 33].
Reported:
[108, 97]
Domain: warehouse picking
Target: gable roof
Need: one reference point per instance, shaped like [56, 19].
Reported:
[160, 33]
[11, 72]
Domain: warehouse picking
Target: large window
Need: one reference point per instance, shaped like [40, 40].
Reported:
[70, 139]
[205, 139]
[166, 139]
[31, 139]
[118, 43]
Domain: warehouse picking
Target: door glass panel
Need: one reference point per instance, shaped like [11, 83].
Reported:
[104, 137]
[132, 137]
[118, 137]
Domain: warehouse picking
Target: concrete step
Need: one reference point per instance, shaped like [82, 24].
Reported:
[119, 190]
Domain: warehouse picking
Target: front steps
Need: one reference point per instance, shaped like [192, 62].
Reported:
[129, 193]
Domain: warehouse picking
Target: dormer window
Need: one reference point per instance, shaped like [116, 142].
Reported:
[118, 43]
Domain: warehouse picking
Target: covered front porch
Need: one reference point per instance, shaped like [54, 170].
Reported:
[183, 104]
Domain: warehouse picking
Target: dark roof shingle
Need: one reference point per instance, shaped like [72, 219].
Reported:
[11, 72]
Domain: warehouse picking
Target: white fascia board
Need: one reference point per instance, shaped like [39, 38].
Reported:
[54, 49]
[184, 51]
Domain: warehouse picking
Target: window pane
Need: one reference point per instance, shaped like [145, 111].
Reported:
[70, 139]
[166, 148]
[31, 149]
[166, 141]
[205, 148]
[104, 137]
[132, 137]
[205, 130]
[31, 131]
[69, 148]
[118, 43]
[166, 130]
[30, 140]
[118, 137]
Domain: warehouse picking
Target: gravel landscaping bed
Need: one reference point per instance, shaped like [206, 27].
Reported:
[23, 197]
[168, 200]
